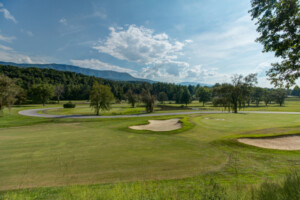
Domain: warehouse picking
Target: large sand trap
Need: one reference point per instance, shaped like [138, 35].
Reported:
[160, 125]
[282, 143]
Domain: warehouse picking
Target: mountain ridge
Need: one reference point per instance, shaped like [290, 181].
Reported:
[105, 74]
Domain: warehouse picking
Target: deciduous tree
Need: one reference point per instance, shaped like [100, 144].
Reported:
[148, 100]
[204, 94]
[132, 98]
[41, 93]
[278, 24]
[234, 96]
[100, 97]
[58, 91]
[162, 97]
[186, 97]
[8, 92]
[280, 95]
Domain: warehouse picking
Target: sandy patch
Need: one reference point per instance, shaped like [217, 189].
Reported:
[282, 143]
[160, 125]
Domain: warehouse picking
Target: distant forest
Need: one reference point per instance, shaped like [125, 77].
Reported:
[77, 86]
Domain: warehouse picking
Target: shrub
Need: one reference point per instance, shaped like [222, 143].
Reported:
[69, 105]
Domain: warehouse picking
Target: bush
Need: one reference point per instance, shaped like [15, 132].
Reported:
[69, 105]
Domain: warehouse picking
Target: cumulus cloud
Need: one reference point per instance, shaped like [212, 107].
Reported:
[7, 54]
[140, 45]
[99, 65]
[156, 52]
[7, 14]
[181, 72]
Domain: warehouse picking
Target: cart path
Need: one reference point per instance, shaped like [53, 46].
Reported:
[34, 113]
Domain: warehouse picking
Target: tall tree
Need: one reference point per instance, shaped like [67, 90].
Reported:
[132, 98]
[41, 93]
[186, 97]
[100, 97]
[162, 97]
[257, 95]
[234, 96]
[280, 95]
[204, 94]
[267, 97]
[278, 24]
[58, 91]
[8, 92]
[178, 94]
[148, 100]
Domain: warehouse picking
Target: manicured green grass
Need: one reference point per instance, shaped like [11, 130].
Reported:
[291, 105]
[116, 109]
[101, 151]
[73, 158]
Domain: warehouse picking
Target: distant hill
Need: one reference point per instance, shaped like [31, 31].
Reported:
[105, 74]
[194, 84]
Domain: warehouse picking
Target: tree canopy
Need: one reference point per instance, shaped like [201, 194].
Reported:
[41, 93]
[279, 27]
[100, 97]
[234, 96]
[8, 91]
[204, 94]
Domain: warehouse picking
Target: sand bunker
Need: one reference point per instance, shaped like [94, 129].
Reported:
[282, 143]
[160, 125]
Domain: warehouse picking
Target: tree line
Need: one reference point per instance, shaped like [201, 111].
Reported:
[34, 85]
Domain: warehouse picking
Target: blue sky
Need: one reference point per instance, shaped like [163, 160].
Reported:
[203, 41]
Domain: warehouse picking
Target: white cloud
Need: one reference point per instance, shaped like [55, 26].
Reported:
[6, 39]
[98, 65]
[29, 33]
[6, 48]
[158, 53]
[7, 14]
[181, 72]
[227, 40]
[188, 41]
[140, 45]
[100, 14]
[8, 54]
[63, 21]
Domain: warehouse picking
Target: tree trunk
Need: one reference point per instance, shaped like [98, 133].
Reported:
[203, 103]
[235, 109]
